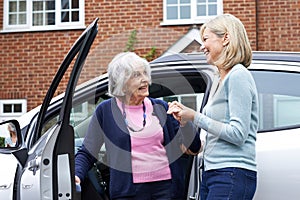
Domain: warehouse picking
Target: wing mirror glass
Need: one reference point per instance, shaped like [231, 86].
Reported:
[10, 135]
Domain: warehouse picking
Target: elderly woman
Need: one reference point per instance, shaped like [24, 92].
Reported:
[143, 143]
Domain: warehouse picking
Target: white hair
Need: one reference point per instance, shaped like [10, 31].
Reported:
[120, 70]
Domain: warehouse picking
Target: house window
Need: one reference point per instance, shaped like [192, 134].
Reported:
[12, 108]
[26, 15]
[17, 12]
[190, 11]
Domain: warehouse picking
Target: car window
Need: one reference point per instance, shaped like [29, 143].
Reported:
[279, 99]
[80, 118]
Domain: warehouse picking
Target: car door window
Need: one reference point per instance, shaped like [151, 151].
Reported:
[279, 101]
[80, 117]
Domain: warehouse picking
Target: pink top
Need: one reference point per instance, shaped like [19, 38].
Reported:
[149, 158]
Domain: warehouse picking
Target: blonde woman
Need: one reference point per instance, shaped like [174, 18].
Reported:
[230, 117]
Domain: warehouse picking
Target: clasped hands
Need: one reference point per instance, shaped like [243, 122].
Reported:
[180, 112]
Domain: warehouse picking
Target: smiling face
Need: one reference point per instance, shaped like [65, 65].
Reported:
[213, 46]
[137, 87]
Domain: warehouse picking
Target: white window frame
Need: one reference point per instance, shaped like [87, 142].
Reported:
[194, 18]
[6, 116]
[58, 24]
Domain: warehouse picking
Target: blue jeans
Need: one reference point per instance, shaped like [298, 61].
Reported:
[159, 190]
[228, 184]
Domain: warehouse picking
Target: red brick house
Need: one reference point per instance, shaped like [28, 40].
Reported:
[35, 35]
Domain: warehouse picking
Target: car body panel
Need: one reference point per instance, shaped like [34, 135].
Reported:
[279, 172]
[8, 168]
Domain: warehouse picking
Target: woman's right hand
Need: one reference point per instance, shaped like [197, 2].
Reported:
[77, 180]
[181, 112]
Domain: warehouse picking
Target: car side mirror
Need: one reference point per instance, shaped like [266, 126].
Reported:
[11, 140]
[10, 134]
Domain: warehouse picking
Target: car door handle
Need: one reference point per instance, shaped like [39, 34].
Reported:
[34, 166]
[5, 186]
[27, 186]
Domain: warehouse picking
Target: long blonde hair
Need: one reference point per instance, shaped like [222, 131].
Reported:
[238, 50]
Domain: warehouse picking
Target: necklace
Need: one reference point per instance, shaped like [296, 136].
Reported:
[144, 116]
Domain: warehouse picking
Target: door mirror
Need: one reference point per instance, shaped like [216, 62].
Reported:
[10, 135]
[11, 140]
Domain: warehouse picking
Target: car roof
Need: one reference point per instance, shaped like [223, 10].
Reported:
[257, 55]
[276, 56]
[262, 60]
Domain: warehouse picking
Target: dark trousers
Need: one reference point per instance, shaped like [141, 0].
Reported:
[228, 184]
[159, 190]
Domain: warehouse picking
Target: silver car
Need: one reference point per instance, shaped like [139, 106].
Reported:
[41, 165]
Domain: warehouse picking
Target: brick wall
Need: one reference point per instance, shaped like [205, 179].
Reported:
[245, 10]
[29, 60]
[279, 25]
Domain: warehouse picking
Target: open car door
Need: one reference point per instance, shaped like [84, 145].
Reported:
[49, 168]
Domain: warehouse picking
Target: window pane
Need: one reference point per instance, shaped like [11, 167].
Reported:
[37, 19]
[212, 1]
[17, 107]
[22, 6]
[22, 18]
[7, 108]
[50, 5]
[286, 108]
[50, 17]
[80, 113]
[75, 16]
[65, 16]
[185, 1]
[75, 3]
[77, 109]
[65, 4]
[185, 12]
[12, 19]
[37, 6]
[12, 6]
[172, 1]
[212, 10]
[172, 13]
[201, 10]
[278, 103]
[201, 1]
